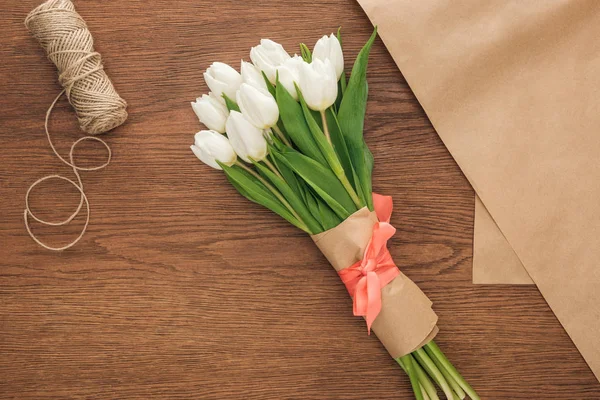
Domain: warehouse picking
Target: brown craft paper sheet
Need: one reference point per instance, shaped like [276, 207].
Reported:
[494, 260]
[513, 89]
[406, 320]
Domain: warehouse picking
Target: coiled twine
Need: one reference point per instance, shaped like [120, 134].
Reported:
[68, 43]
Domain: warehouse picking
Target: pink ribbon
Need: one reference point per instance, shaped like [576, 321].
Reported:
[365, 279]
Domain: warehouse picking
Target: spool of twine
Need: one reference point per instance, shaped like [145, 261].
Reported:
[68, 43]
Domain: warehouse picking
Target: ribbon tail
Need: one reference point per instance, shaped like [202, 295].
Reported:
[383, 207]
[373, 287]
[361, 298]
[382, 232]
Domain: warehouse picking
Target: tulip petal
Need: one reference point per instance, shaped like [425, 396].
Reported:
[247, 140]
[258, 106]
[211, 148]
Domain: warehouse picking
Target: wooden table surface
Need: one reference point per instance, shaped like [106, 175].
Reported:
[182, 289]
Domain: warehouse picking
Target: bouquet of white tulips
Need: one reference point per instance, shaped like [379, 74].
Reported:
[288, 134]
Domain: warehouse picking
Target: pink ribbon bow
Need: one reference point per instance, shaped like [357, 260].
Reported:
[365, 279]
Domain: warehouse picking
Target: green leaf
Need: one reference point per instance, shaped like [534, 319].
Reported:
[359, 189]
[338, 100]
[290, 177]
[265, 177]
[269, 84]
[319, 137]
[351, 117]
[306, 54]
[369, 161]
[339, 144]
[321, 179]
[239, 188]
[327, 218]
[343, 83]
[315, 114]
[275, 143]
[255, 191]
[231, 105]
[312, 203]
[328, 150]
[295, 201]
[290, 112]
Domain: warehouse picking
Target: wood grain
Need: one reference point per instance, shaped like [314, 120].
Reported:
[182, 289]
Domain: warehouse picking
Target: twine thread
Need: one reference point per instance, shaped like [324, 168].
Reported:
[68, 43]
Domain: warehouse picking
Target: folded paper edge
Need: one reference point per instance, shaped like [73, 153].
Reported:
[494, 259]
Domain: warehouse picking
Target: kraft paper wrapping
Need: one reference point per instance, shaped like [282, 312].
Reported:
[513, 89]
[406, 321]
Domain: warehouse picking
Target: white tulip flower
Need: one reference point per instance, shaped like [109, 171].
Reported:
[211, 112]
[247, 140]
[329, 48]
[222, 78]
[258, 106]
[267, 56]
[318, 83]
[289, 73]
[252, 76]
[211, 146]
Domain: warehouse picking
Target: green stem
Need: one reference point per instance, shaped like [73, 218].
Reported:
[427, 388]
[325, 127]
[434, 372]
[449, 378]
[437, 352]
[412, 375]
[401, 364]
[426, 382]
[281, 135]
[302, 224]
[424, 392]
[272, 168]
[348, 186]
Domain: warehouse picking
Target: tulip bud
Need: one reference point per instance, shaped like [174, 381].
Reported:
[221, 78]
[258, 106]
[247, 140]
[211, 146]
[329, 48]
[318, 83]
[211, 112]
[268, 56]
[252, 76]
[289, 73]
